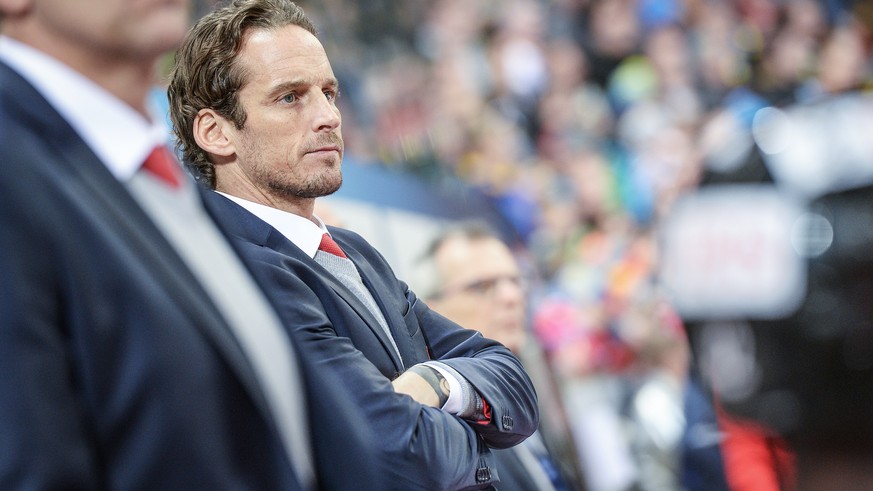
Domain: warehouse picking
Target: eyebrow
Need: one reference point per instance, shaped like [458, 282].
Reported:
[293, 85]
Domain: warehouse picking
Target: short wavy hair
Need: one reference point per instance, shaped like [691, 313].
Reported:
[206, 74]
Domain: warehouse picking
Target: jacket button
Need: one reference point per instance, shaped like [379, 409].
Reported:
[507, 422]
[483, 474]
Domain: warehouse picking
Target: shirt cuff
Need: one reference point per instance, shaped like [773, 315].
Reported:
[458, 397]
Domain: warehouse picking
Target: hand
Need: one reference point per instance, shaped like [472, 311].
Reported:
[425, 385]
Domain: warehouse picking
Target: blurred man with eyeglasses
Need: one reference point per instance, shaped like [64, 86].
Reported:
[471, 276]
[477, 283]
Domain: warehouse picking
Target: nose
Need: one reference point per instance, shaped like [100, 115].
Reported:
[509, 290]
[327, 116]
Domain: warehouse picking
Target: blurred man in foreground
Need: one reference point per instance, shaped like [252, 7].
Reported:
[136, 351]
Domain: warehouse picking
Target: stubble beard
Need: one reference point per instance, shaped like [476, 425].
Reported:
[322, 184]
[292, 182]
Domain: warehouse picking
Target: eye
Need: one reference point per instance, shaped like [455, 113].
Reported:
[288, 98]
[482, 287]
[331, 94]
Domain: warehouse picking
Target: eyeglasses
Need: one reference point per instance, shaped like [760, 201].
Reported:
[484, 287]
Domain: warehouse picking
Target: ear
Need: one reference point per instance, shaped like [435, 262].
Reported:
[213, 133]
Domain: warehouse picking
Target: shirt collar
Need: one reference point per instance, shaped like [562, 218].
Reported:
[119, 136]
[304, 233]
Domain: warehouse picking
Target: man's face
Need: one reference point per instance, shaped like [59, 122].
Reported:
[113, 30]
[290, 145]
[482, 289]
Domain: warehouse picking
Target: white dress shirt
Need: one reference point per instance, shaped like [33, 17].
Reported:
[302, 232]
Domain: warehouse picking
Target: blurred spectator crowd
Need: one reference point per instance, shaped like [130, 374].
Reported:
[582, 120]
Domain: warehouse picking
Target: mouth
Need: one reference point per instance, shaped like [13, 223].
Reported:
[329, 148]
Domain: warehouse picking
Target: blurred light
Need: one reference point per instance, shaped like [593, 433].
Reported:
[769, 127]
[820, 147]
[812, 235]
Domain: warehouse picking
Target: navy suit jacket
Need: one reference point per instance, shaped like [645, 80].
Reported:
[116, 371]
[425, 448]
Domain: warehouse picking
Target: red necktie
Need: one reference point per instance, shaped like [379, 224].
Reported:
[163, 165]
[328, 245]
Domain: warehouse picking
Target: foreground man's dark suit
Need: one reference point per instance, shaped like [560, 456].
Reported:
[116, 372]
[426, 448]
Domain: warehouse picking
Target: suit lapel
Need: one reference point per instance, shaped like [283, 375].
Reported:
[352, 300]
[280, 243]
[378, 287]
[243, 224]
[80, 171]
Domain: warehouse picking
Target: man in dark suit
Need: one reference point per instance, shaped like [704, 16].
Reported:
[471, 276]
[252, 99]
[136, 350]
